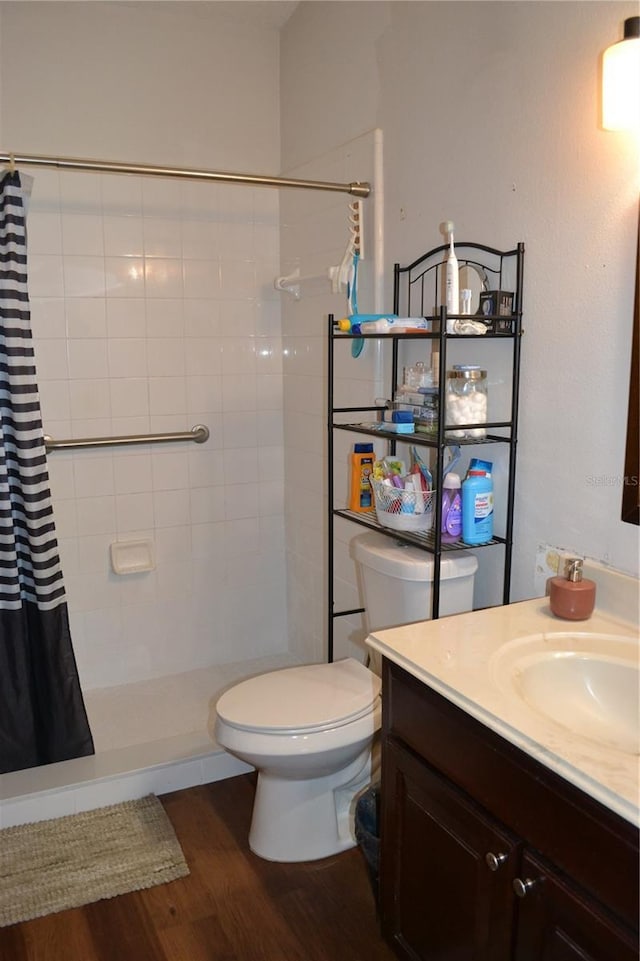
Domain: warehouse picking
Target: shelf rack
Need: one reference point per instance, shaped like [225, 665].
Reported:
[416, 290]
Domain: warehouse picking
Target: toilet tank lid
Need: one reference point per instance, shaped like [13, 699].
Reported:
[390, 557]
[312, 696]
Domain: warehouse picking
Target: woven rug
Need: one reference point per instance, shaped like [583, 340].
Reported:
[70, 861]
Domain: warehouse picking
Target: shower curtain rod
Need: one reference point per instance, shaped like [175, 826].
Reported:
[356, 189]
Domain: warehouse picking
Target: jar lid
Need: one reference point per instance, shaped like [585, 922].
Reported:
[467, 373]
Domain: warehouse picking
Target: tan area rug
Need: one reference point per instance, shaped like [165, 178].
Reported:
[70, 861]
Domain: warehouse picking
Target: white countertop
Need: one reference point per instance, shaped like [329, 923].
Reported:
[456, 656]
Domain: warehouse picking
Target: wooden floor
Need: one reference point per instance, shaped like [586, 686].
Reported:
[233, 906]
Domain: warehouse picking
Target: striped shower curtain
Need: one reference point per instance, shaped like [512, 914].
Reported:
[42, 714]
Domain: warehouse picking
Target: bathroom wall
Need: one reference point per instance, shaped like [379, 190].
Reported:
[490, 118]
[154, 309]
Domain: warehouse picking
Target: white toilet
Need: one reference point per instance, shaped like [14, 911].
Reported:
[309, 730]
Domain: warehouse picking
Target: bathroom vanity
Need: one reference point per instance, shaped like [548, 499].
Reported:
[507, 834]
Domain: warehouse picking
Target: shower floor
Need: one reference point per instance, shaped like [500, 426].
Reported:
[153, 736]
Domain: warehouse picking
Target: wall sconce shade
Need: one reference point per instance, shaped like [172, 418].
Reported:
[621, 80]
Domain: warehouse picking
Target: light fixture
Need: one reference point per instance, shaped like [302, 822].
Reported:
[621, 80]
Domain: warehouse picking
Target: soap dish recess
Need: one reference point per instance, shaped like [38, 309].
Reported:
[132, 557]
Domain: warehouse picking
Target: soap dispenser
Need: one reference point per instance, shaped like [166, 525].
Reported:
[572, 596]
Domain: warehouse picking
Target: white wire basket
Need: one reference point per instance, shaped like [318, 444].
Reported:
[403, 510]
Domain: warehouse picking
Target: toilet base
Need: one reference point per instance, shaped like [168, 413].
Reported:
[304, 820]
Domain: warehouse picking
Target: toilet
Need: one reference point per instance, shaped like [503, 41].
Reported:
[309, 730]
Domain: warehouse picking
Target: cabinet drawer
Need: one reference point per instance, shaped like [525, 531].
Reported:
[598, 849]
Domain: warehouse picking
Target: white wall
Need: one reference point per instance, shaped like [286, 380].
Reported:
[490, 118]
[154, 309]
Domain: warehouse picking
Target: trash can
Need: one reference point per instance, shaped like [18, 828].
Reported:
[367, 832]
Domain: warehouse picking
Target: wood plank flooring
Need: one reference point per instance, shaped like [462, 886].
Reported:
[233, 906]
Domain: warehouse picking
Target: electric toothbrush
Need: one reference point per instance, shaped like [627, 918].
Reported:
[452, 293]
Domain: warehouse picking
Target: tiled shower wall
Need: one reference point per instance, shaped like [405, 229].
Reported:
[154, 310]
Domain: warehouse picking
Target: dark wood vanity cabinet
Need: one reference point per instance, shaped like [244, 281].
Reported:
[487, 855]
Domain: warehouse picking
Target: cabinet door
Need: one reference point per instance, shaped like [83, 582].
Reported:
[557, 923]
[440, 898]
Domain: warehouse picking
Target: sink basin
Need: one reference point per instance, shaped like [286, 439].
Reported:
[588, 684]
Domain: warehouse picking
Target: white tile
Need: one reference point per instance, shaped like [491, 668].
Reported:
[48, 317]
[237, 317]
[86, 317]
[87, 359]
[51, 359]
[240, 429]
[170, 471]
[165, 318]
[46, 276]
[271, 498]
[239, 392]
[171, 508]
[204, 393]
[206, 505]
[132, 473]
[96, 515]
[270, 428]
[269, 392]
[124, 276]
[167, 395]
[121, 196]
[165, 357]
[129, 397]
[202, 318]
[82, 234]
[162, 197]
[201, 279]
[127, 357]
[203, 355]
[241, 500]
[80, 191]
[126, 317]
[237, 279]
[162, 237]
[44, 232]
[89, 399]
[123, 237]
[93, 553]
[238, 355]
[173, 545]
[200, 240]
[84, 276]
[163, 277]
[270, 463]
[133, 511]
[204, 468]
[93, 476]
[240, 465]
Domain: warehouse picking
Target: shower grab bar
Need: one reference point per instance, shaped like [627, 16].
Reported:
[199, 434]
[356, 189]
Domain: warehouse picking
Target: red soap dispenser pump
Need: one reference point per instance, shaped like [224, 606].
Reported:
[572, 597]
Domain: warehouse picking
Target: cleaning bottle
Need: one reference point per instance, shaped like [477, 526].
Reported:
[477, 508]
[361, 497]
[452, 293]
[451, 508]
[573, 596]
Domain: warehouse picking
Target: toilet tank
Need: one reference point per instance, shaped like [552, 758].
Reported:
[396, 581]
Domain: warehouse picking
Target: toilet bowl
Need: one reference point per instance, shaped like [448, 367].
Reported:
[308, 731]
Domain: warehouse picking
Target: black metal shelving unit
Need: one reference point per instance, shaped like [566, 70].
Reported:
[416, 289]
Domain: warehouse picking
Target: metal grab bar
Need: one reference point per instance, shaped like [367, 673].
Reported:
[199, 434]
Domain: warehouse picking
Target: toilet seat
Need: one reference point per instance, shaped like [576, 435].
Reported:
[301, 700]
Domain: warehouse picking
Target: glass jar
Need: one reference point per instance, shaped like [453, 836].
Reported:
[466, 401]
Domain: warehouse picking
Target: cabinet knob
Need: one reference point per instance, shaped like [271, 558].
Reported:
[494, 860]
[521, 888]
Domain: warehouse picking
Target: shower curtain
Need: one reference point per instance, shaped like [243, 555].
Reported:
[42, 714]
